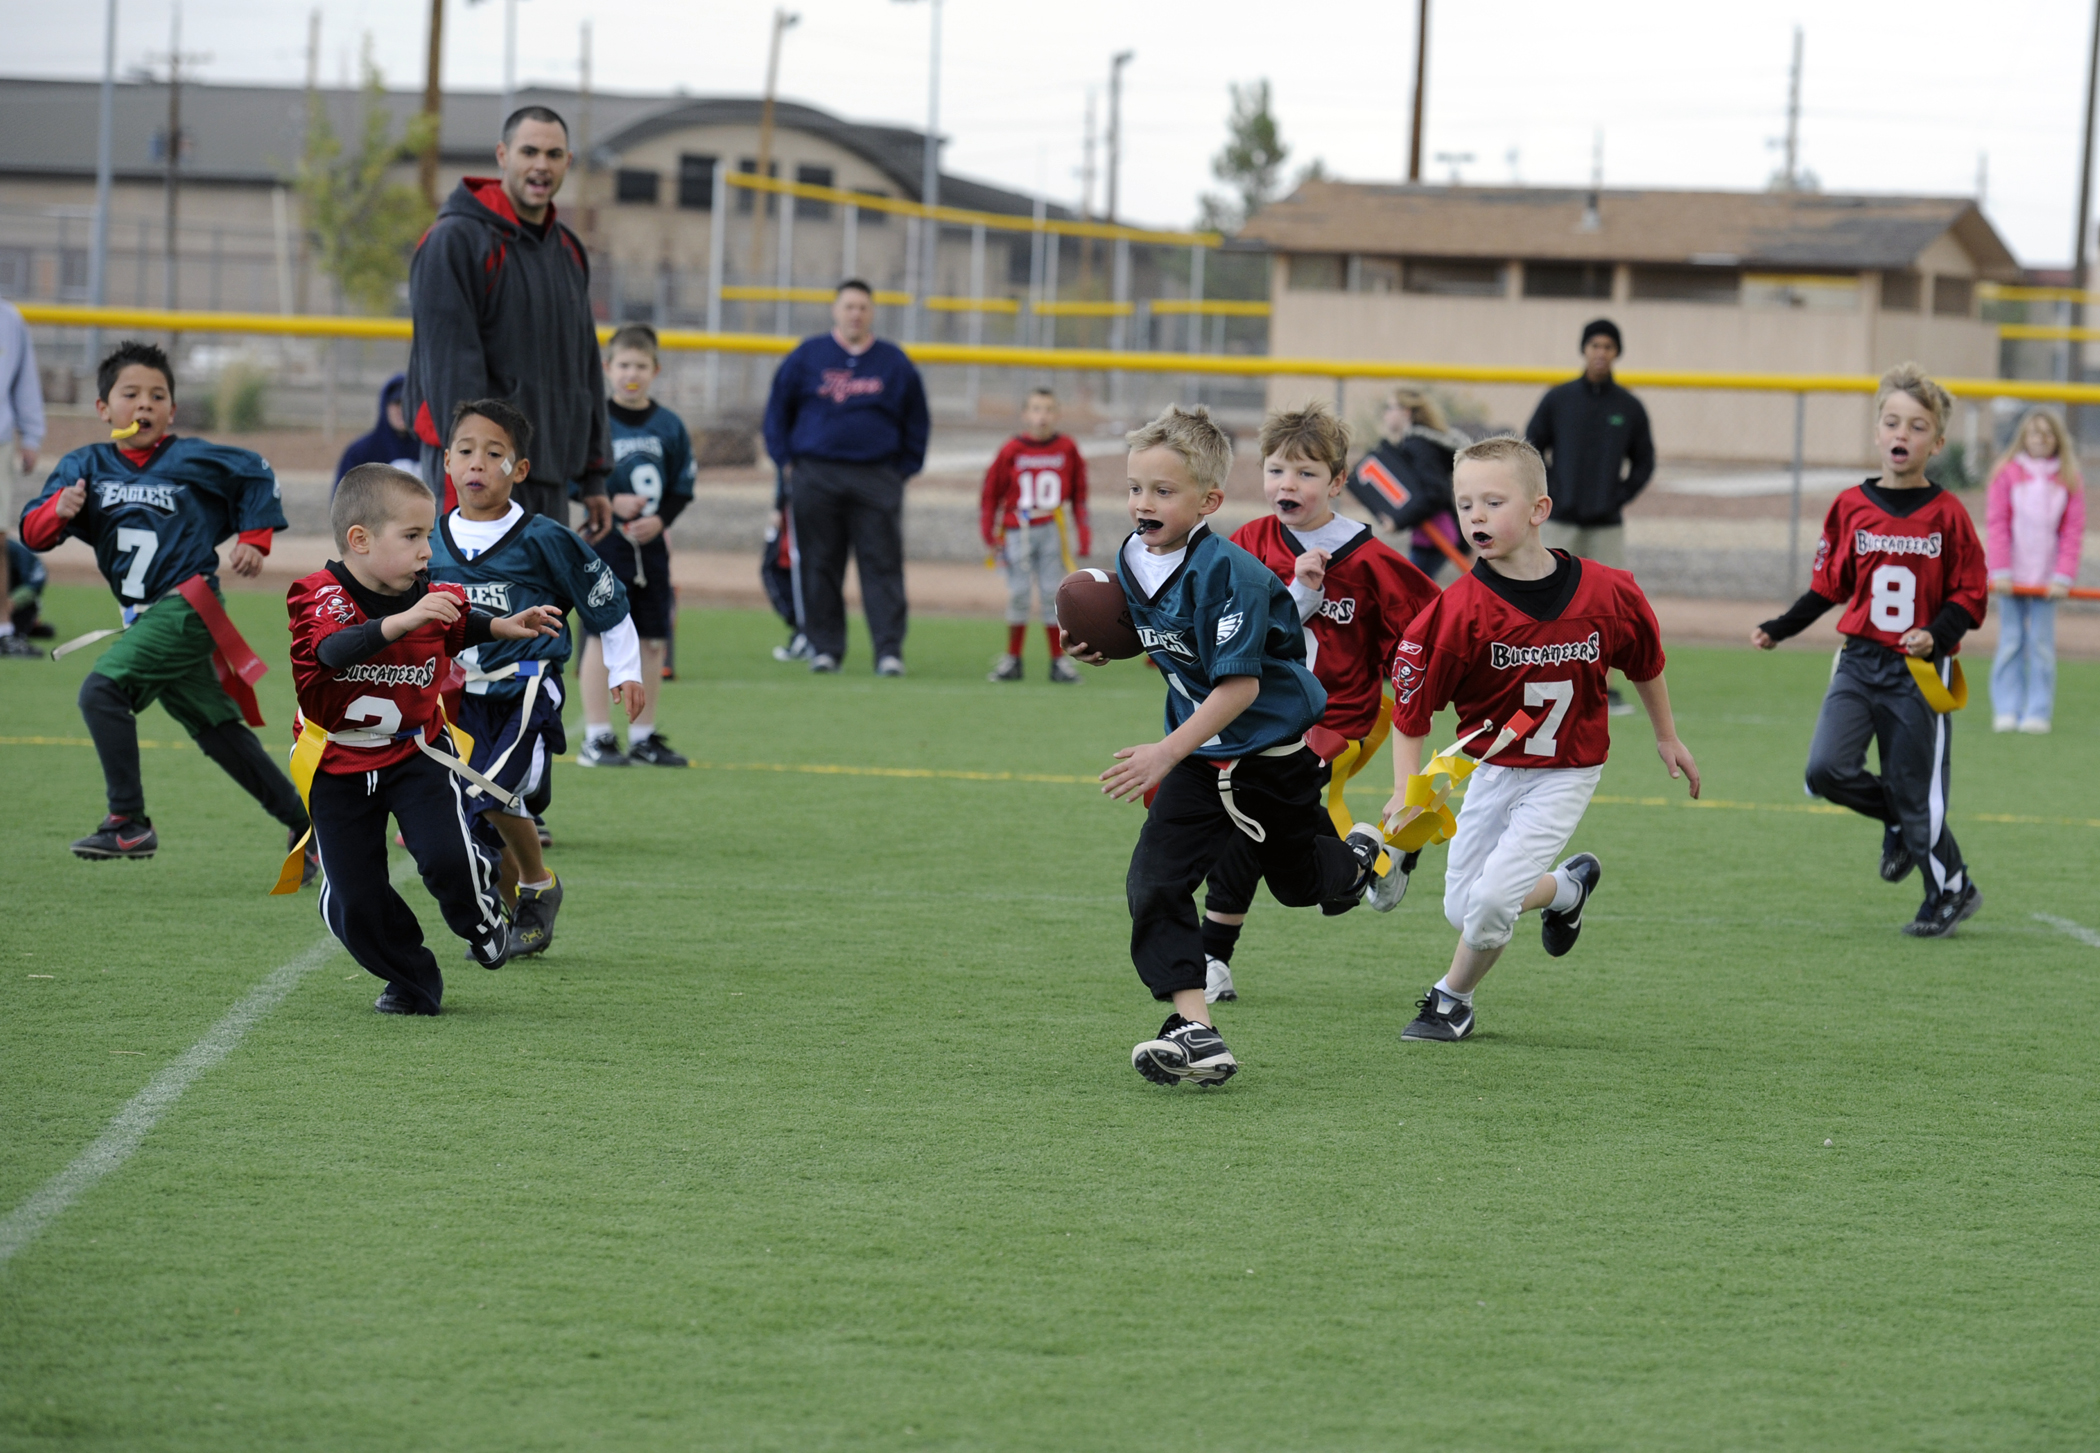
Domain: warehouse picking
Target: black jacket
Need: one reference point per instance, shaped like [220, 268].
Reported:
[1599, 454]
[1421, 463]
[503, 310]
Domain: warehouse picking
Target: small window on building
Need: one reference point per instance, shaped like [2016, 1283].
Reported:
[1836, 292]
[809, 209]
[1667, 284]
[1315, 272]
[1567, 279]
[17, 272]
[872, 216]
[631, 185]
[1378, 274]
[1953, 297]
[696, 183]
[749, 167]
[1453, 278]
[1901, 291]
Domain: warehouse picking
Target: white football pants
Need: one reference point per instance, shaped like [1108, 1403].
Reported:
[1514, 825]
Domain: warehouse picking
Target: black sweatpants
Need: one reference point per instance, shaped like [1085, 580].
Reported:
[1873, 698]
[859, 506]
[1188, 830]
[359, 904]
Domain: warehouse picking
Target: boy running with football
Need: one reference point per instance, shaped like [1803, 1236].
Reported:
[1901, 555]
[507, 560]
[1036, 480]
[373, 642]
[1355, 596]
[1524, 641]
[1224, 632]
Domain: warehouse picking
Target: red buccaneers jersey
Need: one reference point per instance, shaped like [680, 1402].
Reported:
[1029, 479]
[1474, 649]
[1893, 572]
[1371, 593]
[394, 691]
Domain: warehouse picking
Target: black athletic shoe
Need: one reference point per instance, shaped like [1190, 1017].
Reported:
[1896, 861]
[602, 750]
[17, 644]
[1440, 1017]
[119, 837]
[497, 949]
[311, 868]
[654, 752]
[1185, 1050]
[532, 930]
[397, 1000]
[1558, 931]
[1008, 668]
[1942, 913]
[41, 631]
[539, 826]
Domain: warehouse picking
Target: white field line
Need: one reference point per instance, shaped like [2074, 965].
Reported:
[2064, 925]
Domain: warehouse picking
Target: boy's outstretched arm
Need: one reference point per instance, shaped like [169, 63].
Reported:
[1140, 769]
[1407, 760]
[1676, 756]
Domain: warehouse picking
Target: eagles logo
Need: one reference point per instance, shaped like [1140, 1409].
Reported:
[1229, 626]
[602, 583]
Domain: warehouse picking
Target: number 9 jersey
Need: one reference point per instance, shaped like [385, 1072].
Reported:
[1895, 557]
[1478, 649]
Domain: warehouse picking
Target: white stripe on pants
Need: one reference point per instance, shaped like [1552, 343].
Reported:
[1513, 826]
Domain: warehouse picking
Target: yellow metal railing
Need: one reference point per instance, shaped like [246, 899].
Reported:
[2048, 332]
[2008, 293]
[1084, 308]
[758, 293]
[1092, 359]
[1209, 307]
[961, 217]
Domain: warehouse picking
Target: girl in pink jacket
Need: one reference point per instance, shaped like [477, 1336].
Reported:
[2034, 526]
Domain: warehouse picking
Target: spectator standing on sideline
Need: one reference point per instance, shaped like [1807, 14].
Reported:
[21, 433]
[2034, 528]
[847, 422]
[500, 294]
[1599, 455]
[1405, 481]
[390, 440]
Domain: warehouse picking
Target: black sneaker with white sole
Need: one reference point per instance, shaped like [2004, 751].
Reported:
[797, 649]
[1217, 980]
[1185, 1050]
[1385, 894]
[1008, 668]
[823, 664]
[1558, 931]
[496, 950]
[119, 837]
[532, 925]
[397, 1000]
[602, 750]
[1896, 861]
[1366, 842]
[1063, 672]
[1942, 913]
[654, 751]
[1440, 1017]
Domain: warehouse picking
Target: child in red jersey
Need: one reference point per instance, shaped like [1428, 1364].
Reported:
[1355, 596]
[1901, 555]
[373, 644]
[1529, 632]
[1037, 483]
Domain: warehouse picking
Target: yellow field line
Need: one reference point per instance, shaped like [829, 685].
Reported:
[951, 774]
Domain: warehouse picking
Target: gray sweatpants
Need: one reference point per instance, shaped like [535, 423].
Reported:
[1034, 557]
[1873, 698]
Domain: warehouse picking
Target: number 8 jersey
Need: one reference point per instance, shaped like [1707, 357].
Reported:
[1492, 647]
[1895, 557]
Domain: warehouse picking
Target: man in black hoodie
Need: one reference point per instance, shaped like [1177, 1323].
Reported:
[500, 293]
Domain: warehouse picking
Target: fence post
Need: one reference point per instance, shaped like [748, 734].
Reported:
[1119, 326]
[783, 309]
[911, 280]
[717, 255]
[1793, 521]
[1047, 334]
[849, 256]
[976, 333]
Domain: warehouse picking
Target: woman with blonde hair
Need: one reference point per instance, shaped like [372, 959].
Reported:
[1405, 481]
[2034, 525]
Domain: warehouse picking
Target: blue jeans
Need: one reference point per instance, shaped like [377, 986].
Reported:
[2023, 673]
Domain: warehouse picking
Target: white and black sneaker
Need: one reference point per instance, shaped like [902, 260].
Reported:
[1385, 894]
[1217, 980]
[824, 665]
[1944, 912]
[1896, 861]
[1008, 668]
[1440, 1017]
[797, 649]
[1063, 672]
[602, 750]
[1383, 891]
[1185, 1050]
[890, 666]
[1558, 931]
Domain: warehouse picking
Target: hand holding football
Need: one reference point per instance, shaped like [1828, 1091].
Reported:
[1092, 612]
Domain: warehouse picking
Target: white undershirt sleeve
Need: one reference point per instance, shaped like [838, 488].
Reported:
[1308, 601]
[623, 653]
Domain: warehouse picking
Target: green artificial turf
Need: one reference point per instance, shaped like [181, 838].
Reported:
[816, 1127]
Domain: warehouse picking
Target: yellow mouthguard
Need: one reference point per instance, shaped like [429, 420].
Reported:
[126, 432]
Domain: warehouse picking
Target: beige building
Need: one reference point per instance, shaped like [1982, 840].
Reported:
[1731, 282]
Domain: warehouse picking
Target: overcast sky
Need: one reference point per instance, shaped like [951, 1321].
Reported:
[1903, 97]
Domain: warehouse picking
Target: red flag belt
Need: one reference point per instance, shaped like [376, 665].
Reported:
[237, 665]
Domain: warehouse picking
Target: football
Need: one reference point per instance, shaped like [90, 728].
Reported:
[1092, 610]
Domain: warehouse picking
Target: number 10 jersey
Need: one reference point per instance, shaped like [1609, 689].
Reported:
[1894, 557]
[1490, 659]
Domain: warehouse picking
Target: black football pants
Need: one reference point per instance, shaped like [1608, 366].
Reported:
[1873, 698]
[1188, 830]
[358, 902]
[838, 506]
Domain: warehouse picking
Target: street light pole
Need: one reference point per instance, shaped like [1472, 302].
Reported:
[1116, 63]
[98, 252]
[2082, 247]
[1414, 143]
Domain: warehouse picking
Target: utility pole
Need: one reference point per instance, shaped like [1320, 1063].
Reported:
[98, 251]
[1086, 196]
[783, 22]
[2082, 248]
[171, 183]
[1792, 181]
[1592, 207]
[1116, 63]
[510, 56]
[1414, 144]
[433, 105]
[929, 178]
[583, 98]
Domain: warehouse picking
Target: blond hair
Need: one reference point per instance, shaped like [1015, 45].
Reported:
[2067, 472]
[372, 494]
[1422, 409]
[1205, 449]
[1312, 432]
[1911, 380]
[1524, 462]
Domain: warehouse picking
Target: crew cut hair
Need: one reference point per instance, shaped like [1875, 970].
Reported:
[372, 494]
[1312, 432]
[532, 113]
[637, 337]
[1205, 449]
[502, 415]
[855, 284]
[1912, 379]
[124, 355]
[1525, 462]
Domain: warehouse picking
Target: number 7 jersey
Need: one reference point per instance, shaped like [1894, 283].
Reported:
[1894, 568]
[1476, 650]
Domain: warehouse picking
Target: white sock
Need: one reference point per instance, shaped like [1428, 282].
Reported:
[1570, 892]
[7, 628]
[640, 732]
[592, 730]
[542, 886]
[1443, 986]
